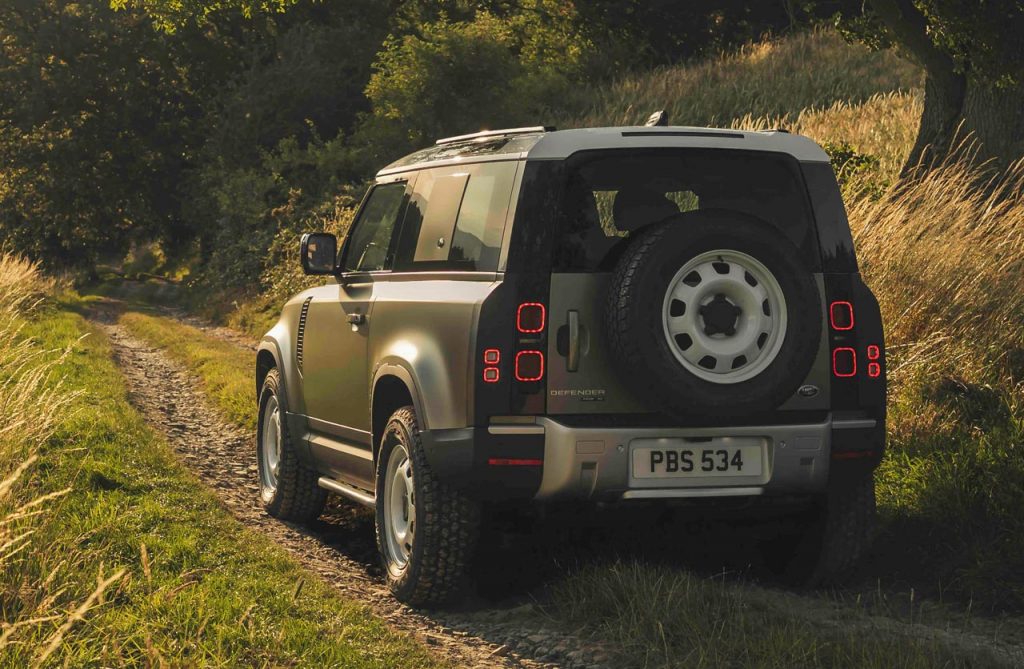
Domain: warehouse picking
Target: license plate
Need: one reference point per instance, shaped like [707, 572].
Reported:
[676, 458]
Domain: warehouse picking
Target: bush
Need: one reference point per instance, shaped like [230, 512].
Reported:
[457, 77]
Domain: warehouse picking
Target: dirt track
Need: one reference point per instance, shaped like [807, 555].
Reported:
[340, 547]
[500, 630]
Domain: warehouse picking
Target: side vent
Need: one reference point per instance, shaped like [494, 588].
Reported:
[301, 334]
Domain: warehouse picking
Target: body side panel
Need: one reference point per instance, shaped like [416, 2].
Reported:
[426, 326]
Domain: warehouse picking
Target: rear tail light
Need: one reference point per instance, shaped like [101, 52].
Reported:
[840, 314]
[529, 366]
[491, 375]
[874, 361]
[530, 317]
[844, 362]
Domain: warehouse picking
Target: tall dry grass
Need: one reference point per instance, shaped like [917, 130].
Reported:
[778, 78]
[945, 253]
[884, 127]
[32, 402]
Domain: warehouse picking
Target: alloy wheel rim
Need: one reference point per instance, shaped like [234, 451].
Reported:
[724, 316]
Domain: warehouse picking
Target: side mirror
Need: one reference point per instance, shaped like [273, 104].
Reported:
[319, 253]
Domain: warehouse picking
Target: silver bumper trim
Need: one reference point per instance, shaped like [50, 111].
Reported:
[864, 423]
[515, 429]
[676, 493]
[595, 462]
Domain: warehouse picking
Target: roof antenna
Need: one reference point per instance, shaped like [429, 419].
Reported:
[658, 118]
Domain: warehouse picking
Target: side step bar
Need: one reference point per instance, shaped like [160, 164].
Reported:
[347, 491]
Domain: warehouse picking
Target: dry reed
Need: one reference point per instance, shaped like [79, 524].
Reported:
[33, 399]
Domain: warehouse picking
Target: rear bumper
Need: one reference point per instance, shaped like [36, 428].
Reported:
[548, 460]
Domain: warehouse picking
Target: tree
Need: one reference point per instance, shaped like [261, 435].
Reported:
[973, 56]
[95, 129]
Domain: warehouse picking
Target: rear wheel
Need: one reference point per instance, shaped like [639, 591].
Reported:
[829, 540]
[288, 488]
[426, 532]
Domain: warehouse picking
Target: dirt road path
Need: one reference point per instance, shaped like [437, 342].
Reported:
[340, 547]
[500, 632]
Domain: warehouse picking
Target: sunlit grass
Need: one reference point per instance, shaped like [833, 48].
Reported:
[113, 553]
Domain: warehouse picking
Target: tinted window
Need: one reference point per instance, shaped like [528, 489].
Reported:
[369, 245]
[456, 218]
[612, 195]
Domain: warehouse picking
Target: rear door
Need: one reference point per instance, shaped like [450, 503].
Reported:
[608, 198]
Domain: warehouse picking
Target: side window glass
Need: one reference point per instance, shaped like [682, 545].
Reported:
[457, 218]
[476, 243]
[369, 245]
[443, 195]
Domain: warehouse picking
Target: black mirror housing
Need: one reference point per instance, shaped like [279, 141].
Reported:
[318, 252]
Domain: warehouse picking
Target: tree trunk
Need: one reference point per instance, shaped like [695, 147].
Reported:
[958, 109]
[956, 105]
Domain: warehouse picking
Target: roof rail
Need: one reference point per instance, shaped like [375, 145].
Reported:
[495, 133]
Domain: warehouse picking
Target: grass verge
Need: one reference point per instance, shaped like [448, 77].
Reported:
[196, 588]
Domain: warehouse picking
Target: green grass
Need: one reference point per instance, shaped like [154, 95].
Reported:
[211, 593]
[661, 617]
[227, 370]
[650, 616]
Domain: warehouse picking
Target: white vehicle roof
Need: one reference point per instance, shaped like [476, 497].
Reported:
[544, 144]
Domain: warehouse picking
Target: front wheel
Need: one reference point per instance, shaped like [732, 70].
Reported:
[426, 532]
[288, 488]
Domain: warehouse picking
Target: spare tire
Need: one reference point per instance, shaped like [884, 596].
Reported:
[713, 313]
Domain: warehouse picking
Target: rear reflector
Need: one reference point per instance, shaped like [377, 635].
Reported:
[874, 352]
[529, 366]
[491, 374]
[515, 462]
[530, 317]
[874, 370]
[492, 356]
[840, 315]
[844, 362]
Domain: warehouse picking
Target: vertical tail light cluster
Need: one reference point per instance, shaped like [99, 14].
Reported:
[531, 319]
[492, 360]
[844, 358]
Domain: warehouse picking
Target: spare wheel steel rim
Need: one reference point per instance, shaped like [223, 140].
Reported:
[399, 507]
[724, 316]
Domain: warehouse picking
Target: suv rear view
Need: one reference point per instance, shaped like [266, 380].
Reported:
[656, 315]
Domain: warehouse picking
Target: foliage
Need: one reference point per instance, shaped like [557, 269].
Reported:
[94, 129]
[981, 38]
[454, 77]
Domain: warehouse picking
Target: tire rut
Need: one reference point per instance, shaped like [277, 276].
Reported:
[339, 547]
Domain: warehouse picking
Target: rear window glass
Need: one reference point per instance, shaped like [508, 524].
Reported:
[612, 195]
